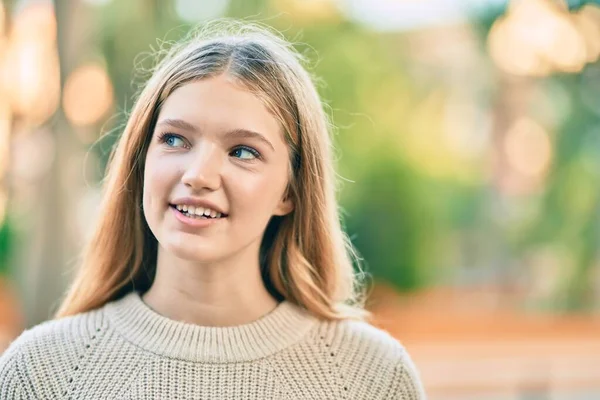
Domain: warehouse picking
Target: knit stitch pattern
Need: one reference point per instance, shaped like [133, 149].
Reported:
[125, 350]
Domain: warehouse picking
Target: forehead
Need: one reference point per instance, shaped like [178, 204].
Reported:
[220, 104]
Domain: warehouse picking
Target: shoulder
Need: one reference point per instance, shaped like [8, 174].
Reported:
[40, 354]
[379, 361]
[359, 338]
[49, 337]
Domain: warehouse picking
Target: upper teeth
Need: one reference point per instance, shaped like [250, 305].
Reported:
[198, 211]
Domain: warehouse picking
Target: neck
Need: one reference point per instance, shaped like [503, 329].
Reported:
[229, 293]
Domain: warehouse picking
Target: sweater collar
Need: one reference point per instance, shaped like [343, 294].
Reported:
[145, 328]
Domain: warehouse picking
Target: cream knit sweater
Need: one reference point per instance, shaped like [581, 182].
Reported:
[125, 350]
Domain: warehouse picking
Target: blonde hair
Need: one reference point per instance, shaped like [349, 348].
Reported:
[305, 256]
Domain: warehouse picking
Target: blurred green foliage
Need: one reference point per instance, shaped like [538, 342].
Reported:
[6, 245]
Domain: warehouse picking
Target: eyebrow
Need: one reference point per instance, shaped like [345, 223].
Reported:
[238, 132]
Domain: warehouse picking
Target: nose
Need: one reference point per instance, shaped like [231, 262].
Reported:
[203, 171]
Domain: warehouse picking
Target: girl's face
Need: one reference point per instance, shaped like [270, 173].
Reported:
[215, 149]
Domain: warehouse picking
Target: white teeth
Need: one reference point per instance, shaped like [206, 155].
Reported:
[198, 211]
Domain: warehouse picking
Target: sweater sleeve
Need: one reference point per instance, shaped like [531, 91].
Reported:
[406, 383]
[13, 382]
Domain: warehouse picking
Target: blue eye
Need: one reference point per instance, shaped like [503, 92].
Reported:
[172, 140]
[245, 153]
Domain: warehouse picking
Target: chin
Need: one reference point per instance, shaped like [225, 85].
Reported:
[189, 248]
[194, 254]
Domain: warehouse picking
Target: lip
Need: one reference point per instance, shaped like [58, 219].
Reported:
[194, 222]
[191, 201]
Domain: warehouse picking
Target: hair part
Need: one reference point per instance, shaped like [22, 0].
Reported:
[305, 256]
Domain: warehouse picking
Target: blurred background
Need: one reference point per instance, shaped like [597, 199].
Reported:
[468, 137]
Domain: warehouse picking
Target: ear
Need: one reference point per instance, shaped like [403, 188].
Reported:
[285, 206]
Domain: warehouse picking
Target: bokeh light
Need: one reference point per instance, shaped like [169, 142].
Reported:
[32, 73]
[35, 22]
[537, 37]
[587, 20]
[88, 95]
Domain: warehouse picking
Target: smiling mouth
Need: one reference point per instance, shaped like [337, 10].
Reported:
[195, 216]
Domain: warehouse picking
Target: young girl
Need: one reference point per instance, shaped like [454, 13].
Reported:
[218, 268]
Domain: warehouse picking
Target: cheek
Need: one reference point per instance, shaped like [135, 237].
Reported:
[258, 195]
[156, 182]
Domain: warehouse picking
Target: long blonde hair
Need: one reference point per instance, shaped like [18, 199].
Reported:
[305, 256]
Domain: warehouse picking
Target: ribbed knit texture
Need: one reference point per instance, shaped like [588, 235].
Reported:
[125, 350]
